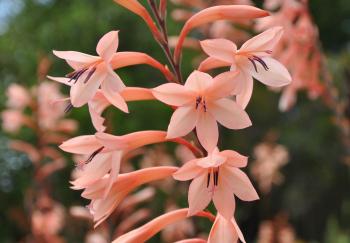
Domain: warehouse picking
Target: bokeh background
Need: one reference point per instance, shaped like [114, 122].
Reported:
[313, 198]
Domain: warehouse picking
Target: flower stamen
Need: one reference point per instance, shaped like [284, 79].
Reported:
[254, 59]
[92, 156]
[76, 74]
[91, 72]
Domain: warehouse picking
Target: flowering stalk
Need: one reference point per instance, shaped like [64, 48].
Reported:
[199, 105]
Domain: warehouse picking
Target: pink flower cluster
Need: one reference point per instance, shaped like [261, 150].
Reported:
[37, 110]
[299, 49]
[200, 104]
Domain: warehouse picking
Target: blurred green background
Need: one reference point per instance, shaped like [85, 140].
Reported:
[315, 193]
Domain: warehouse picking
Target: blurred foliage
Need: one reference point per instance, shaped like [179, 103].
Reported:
[315, 194]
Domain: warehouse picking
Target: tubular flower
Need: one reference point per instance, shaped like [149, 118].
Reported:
[148, 230]
[208, 15]
[201, 103]
[102, 205]
[217, 177]
[252, 60]
[105, 153]
[91, 72]
[225, 231]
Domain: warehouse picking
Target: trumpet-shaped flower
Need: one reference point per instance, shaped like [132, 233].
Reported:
[217, 177]
[225, 231]
[201, 103]
[105, 153]
[252, 60]
[91, 72]
[102, 205]
[221, 12]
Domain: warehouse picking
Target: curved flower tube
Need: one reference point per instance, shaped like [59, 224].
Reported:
[125, 58]
[148, 230]
[224, 12]
[135, 7]
[195, 240]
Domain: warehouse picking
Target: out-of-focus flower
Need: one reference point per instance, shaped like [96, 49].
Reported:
[299, 49]
[47, 220]
[178, 230]
[270, 158]
[217, 177]
[12, 120]
[201, 104]
[157, 156]
[17, 97]
[277, 230]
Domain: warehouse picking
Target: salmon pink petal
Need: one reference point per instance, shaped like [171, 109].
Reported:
[263, 42]
[85, 144]
[94, 170]
[287, 100]
[234, 159]
[198, 81]
[111, 142]
[198, 195]
[211, 63]
[76, 59]
[207, 131]
[173, 94]
[229, 114]
[221, 49]
[97, 119]
[222, 231]
[212, 160]
[195, 240]
[182, 121]
[188, 171]
[224, 200]
[240, 183]
[276, 75]
[115, 168]
[246, 80]
[224, 84]
[111, 87]
[238, 230]
[66, 81]
[108, 45]
[82, 91]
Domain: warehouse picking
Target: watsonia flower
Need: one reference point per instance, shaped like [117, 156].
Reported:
[201, 104]
[217, 177]
[252, 60]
